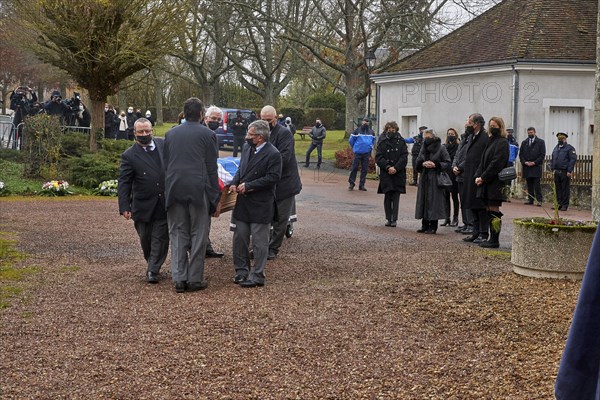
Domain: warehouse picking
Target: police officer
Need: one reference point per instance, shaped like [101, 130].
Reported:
[562, 164]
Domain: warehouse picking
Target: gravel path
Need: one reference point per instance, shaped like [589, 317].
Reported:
[351, 310]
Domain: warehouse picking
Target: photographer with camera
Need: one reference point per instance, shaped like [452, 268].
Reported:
[77, 114]
[22, 101]
[56, 105]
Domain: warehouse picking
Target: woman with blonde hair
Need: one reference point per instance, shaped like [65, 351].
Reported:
[489, 187]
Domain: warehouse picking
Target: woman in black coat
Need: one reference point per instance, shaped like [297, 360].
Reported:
[391, 157]
[451, 144]
[489, 187]
[432, 159]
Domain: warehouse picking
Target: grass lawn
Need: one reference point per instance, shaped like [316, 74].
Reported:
[333, 142]
[11, 174]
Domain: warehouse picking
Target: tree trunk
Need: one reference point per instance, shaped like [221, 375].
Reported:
[354, 85]
[122, 98]
[596, 159]
[158, 91]
[97, 111]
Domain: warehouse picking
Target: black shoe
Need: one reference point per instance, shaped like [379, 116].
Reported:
[454, 222]
[180, 286]
[528, 202]
[195, 286]
[272, 255]
[539, 204]
[151, 277]
[213, 254]
[480, 239]
[239, 279]
[446, 223]
[388, 223]
[489, 245]
[422, 230]
[429, 232]
[249, 284]
[460, 228]
[362, 188]
[470, 238]
[467, 231]
[351, 187]
[561, 208]
[393, 224]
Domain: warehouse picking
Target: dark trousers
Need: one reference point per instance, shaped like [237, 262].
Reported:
[414, 169]
[154, 238]
[238, 143]
[481, 222]
[467, 219]
[391, 201]
[455, 204]
[310, 149]
[284, 210]
[429, 224]
[534, 190]
[363, 161]
[563, 188]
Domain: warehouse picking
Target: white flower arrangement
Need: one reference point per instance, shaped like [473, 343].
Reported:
[107, 188]
[55, 188]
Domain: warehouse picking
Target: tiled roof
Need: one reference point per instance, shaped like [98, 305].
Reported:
[559, 30]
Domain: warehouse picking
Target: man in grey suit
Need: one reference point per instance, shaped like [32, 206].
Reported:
[192, 194]
[141, 193]
[255, 180]
[289, 185]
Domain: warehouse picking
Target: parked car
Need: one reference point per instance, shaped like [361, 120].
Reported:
[224, 133]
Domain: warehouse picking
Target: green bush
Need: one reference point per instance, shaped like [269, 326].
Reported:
[337, 101]
[74, 144]
[326, 115]
[41, 146]
[90, 170]
[12, 155]
[296, 114]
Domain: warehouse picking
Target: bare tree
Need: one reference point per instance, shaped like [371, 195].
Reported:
[99, 43]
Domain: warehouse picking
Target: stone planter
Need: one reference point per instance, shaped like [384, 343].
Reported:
[541, 250]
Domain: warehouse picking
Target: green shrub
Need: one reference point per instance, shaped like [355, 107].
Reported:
[116, 147]
[12, 155]
[326, 115]
[41, 146]
[91, 169]
[74, 144]
[337, 101]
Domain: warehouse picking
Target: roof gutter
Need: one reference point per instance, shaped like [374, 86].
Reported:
[515, 104]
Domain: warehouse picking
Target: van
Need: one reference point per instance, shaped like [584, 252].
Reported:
[224, 133]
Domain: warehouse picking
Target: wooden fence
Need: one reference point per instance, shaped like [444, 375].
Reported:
[582, 174]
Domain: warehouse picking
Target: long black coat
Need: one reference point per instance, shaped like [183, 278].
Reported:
[190, 159]
[431, 200]
[392, 152]
[495, 157]
[536, 153]
[473, 153]
[142, 183]
[452, 149]
[289, 185]
[260, 174]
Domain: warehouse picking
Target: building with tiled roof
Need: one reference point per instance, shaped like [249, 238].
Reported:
[531, 62]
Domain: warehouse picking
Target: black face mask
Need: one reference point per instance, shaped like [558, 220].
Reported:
[428, 141]
[250, 142]
[451, 139]
[531, 136]
[495, 131]
[470, 130]
[144, 140]
[561, 142]
[392, 134]
[213, 125]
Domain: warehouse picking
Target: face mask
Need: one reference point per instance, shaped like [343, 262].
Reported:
[451, 139]
[213, 125]
[318, 124]
[530, 136]
[145, 140]
[428, 141]
[392, 133]
[106, 109]
[561, 142]
[470, 130]
[250, 142]
[495, 131]
[130, 110]
[148, 115]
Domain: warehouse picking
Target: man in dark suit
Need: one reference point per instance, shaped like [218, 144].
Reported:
[192, 194]
[255, 180]
[141, 195]
[289, 185]
[532, 153]
[472, 157]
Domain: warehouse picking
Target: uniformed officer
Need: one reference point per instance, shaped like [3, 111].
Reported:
[562, 164]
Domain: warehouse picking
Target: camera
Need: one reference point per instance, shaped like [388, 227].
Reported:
[74, 102]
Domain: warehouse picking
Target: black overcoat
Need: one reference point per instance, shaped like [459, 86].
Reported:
[534, 152]
[259, 173]
[289, 185]
[392, 152]
[472, 152]
[431, 200]
[495, 157]
[142, 182]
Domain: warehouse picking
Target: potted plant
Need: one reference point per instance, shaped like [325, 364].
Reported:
[552, 247]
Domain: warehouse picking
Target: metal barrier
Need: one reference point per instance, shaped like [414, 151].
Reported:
[76, 129]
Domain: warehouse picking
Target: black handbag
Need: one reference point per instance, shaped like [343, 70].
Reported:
[507, 174]
[443, 180]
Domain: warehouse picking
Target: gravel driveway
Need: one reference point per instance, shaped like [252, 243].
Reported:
[351, 310]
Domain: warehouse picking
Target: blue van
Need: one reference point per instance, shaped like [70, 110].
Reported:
[224, 134]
